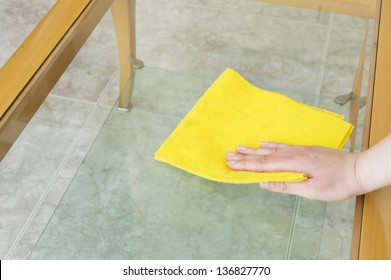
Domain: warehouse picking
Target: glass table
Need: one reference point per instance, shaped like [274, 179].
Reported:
[124, 205]
[121, 204]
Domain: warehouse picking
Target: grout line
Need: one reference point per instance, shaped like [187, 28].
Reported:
[178, 118]
[72, 99]
[159, 114]
[70, 150]
[99, 101]
[59, 169]
[292, 230]
[219, 9]
[107, 88]
[322, 235]
[48, 188]
[155, 9]
[324, 60]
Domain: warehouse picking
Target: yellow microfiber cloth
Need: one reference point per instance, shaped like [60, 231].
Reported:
[233, 112]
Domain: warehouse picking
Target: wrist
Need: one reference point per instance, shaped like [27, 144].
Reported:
[367, 173]
[359, 184]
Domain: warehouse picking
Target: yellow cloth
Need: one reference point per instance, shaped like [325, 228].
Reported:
[233, 112]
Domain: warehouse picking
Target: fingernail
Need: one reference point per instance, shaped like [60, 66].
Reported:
[241, 148]
[231, 163]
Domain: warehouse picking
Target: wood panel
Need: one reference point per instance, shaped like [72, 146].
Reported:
[375, 241]
[26, 79]
[357, 223]
[360, 8]
[27, 59]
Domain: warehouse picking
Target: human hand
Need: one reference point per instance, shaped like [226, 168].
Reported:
[331, 173]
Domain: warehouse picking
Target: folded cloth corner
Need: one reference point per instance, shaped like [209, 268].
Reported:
[233, 111]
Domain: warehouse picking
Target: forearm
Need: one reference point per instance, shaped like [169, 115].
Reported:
[373, 167]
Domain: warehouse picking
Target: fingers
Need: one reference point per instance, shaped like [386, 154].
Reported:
[230, 156]
[249, 153]
[273, 162]
[246, 153]
[254, 151]
[274, 145]
[270, 157]
[265, 148]
[251, 163]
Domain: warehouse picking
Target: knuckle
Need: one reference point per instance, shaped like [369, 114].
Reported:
[282, 186]
[264, 159]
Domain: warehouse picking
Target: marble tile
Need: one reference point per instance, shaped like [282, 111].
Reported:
[275, 53]
[173, 93]
[307, 230]
[84, 140]
[91, 70]
[116, 208]
[351, 22]
[145, 9]
[29, 167]
[337, 230]
[29, 237]
[257, 7]
[342, 61]
[111, 94]
[167, 92]
[60, 184]
[16, 23]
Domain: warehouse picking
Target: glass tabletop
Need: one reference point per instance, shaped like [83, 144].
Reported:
[124, 205]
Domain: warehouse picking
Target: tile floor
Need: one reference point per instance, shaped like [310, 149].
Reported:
[197, 40]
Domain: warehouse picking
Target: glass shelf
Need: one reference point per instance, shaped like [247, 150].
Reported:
[124, 205]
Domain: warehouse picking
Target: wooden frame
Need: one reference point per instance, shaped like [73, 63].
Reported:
[26, 80]
[375, 228]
